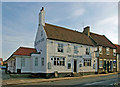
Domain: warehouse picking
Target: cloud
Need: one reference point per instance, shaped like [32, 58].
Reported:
[109, 28]
[110, 20]
[79, 12]
[76, 13]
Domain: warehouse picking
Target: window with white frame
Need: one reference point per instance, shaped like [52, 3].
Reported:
[100, 64]
[42, 61]
[87, 62]
[36, 61]
[60, 47]
[100, 49]
[75, 49]
[59, 61]
[69, 65]
[88, 51]
[107, 51]
[114, 52]
[49, 65]
[23, 62]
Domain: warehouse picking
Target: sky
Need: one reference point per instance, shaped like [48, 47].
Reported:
[20, 20]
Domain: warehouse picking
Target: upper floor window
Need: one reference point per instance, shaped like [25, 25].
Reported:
[36, 61]
[107, 51]
[100, 50]
[114, 52]
[87, 51]
[60, 47]
[75, 49]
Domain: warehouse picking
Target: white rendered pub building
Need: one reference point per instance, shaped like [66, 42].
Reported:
[59, 50]
[63, 50]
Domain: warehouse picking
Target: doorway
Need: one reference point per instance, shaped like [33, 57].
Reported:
[111, 66]
[108, 66]
[75, 65]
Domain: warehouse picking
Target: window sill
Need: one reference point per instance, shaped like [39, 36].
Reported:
[100, 67]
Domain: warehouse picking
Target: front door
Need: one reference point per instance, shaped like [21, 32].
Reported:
[104, 65]
[111, 66]
[75, 65]
[107, 66]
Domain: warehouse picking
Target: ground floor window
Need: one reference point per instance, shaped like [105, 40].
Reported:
[69, 65]
[36, 61]
[49, 65]
[104, 65]
[59, 61]
[23, 62]
[114, 64]
[42, 61]
[87, 62]
[100, 64]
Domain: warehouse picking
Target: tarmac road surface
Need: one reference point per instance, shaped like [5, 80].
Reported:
[102, 81]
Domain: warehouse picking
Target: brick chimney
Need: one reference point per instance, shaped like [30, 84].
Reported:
[87, 30]
[42, 17]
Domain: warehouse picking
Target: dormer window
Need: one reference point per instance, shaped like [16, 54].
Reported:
[114, 52]
[107, 51]
[100, 50]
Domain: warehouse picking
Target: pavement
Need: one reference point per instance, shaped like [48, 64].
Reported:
[27, 81]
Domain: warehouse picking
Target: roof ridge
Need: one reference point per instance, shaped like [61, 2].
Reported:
[109, 41]
[26, 47]
[64, 28]
[96, 34]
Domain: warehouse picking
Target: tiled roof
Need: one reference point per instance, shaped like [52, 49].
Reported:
[101, 40]
[1, 59]
[64, 34]
[24, 51]
[118, 48]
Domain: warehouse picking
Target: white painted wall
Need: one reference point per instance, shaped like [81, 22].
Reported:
[40, 40]
[17, 60]
[52, 51]
[27, 67]
[39, 68]
[11, 66]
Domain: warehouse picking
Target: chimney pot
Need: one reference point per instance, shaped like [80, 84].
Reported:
[42, 9]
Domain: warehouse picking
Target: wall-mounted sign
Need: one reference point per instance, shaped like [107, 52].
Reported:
[75, 56]
[39, 41]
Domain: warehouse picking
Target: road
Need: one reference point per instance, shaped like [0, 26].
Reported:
[102, 81]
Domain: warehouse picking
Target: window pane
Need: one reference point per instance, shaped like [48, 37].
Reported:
[69, 65]
[54, 62]
[36, 61]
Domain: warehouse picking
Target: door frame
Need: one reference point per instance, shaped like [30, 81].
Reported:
[75, 65]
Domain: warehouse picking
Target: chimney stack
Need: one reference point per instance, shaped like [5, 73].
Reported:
[42, 17]
[87, 30]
